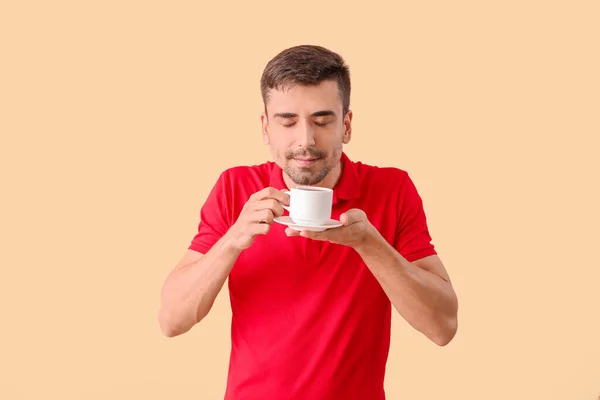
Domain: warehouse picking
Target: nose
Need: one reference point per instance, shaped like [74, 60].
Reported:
[306, 136]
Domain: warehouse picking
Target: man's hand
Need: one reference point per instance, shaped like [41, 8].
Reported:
[355, 229]
[257, 216]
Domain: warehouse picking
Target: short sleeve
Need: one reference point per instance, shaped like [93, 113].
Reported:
[214, 217]
[413, 240]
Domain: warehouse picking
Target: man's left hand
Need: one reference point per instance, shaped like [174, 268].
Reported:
[355, 230]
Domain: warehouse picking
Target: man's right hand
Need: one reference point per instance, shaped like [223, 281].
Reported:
[257, 216]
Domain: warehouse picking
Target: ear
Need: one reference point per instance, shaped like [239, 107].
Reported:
[347, 127]
[265, 128]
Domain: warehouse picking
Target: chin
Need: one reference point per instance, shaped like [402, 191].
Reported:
[307, 179]
[307, 175]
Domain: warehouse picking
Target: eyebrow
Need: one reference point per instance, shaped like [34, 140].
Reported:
[322, 113]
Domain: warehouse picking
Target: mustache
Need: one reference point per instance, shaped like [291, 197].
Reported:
[305, 153]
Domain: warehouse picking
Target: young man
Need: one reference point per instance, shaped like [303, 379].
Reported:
[311, 311]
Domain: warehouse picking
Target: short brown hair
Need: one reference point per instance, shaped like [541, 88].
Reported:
[306, 65]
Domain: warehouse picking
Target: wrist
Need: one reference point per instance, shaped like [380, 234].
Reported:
[229, 245]
[371, 240]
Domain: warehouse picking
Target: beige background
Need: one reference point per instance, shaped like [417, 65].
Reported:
[117, 117]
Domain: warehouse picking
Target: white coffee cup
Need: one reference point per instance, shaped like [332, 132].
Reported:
[310, 205]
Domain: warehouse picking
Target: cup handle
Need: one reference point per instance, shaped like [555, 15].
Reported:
[283, 205]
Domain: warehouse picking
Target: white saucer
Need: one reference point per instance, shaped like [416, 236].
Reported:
[332, 223]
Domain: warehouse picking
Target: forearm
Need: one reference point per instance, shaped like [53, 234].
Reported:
[425, 300]
[190, 291]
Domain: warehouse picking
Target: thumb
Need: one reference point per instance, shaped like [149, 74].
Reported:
[352, 216]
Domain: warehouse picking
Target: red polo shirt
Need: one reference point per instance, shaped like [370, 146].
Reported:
[309, 320]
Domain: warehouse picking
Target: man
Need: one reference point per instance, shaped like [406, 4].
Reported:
[311, 311]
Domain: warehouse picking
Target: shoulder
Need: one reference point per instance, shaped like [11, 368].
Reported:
[384, 176]
[237, 183]
[245, 173]
[389, 181]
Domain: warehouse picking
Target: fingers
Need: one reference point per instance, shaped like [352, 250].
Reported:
[271, 193]
[291, 232]
[263, 216]
[259, 213]
[268, 204]
[260, 229]
[315, 235]
[307, 234]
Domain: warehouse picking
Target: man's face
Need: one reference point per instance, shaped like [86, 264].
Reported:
[305, 130]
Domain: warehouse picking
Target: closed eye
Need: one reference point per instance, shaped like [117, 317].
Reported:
[319, 124]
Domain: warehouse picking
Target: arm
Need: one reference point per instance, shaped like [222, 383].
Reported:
[420, 291]
[190, 290]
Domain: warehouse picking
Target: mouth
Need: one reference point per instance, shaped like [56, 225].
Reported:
[305, 161]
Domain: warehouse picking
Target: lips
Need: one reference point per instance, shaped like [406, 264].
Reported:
[305, 161]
